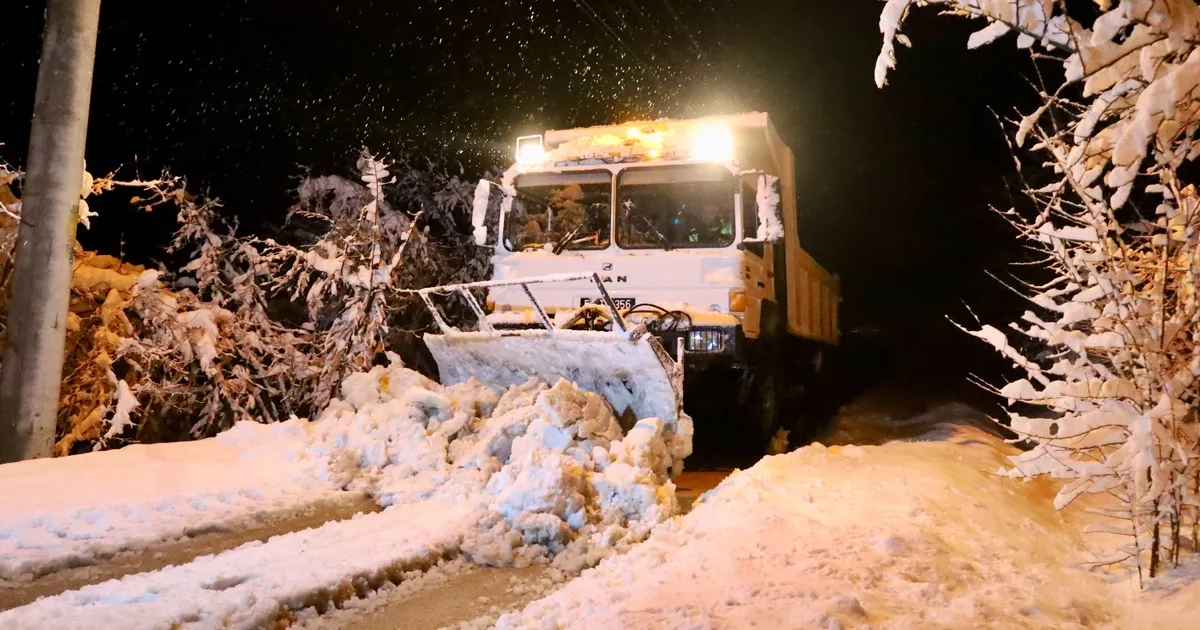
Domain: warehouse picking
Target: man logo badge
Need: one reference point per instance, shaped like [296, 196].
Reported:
[606, 267]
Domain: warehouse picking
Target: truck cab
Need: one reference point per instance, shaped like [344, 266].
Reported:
[691, 225]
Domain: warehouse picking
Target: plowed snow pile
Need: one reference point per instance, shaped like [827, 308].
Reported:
[546, 466]
[903, 535]
[537, 473]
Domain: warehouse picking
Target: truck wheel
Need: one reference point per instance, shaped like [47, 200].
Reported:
[761, 406]
[765, 395]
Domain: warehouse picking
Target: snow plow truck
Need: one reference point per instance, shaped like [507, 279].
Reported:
[657, 264]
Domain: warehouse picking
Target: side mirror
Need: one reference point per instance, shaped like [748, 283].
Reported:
[483, 194]
[485, 217]
[770, 225]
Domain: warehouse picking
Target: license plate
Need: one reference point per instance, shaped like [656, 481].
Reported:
[623, 303]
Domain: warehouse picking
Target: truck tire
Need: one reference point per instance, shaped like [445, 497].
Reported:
[736, 413]
[765, 397]
[764, 407]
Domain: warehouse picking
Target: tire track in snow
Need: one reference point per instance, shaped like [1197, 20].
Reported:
[172, 552]
[259, 584]
[461, 596]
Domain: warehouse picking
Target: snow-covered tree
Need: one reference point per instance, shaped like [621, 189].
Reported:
[1116, 227]
[349, 248]
[251, 328]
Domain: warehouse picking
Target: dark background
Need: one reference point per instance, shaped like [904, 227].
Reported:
[894, 184]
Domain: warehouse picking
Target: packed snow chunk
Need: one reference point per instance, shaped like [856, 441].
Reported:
[520, 396]
[644, 447]
[589, 415]
[545, 488]
[473, 397]
[382, 384]
[633, 493]
[493, 444]
[568, 419]
[567, 486]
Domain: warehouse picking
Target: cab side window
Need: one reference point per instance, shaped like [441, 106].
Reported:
[750, 207]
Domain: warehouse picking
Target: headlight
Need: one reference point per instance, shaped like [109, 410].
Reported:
[708, 341]
[712, 144]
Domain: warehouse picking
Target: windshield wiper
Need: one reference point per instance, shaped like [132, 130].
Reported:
[661, 239]
[565, 240]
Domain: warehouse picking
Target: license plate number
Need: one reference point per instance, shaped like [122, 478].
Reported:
[623, 303]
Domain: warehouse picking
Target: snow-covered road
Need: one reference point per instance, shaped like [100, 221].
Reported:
[177, 552]
[450, 592]
[908, 530]
[250, 586]
[78, 510]
[903, 535]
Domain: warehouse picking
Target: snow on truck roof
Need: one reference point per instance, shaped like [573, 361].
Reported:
[748, 136]
[749, 120]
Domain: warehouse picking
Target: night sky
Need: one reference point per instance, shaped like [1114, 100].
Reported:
[893, 184]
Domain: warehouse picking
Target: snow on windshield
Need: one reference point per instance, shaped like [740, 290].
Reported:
[675, 207]
[565, 211]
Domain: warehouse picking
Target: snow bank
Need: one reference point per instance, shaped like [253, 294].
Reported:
[68, 511]
[258, 583]
[905, 535]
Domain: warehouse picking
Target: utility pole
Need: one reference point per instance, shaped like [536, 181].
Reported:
[31, 367]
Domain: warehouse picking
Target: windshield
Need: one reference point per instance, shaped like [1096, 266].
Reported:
[675, 207]
[563, 210]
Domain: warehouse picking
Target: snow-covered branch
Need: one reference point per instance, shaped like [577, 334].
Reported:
[251, 328]
[1117, 229]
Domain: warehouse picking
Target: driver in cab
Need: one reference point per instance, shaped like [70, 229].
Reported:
[711, 226]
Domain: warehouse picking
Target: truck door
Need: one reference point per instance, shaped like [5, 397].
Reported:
[757, 266]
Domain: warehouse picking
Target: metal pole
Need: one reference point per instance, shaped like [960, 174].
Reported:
[31, 374]
[484, 324]
[538, 308]
[608, 301]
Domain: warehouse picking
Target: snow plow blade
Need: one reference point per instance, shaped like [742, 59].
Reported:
[625, 365]
[623, 368]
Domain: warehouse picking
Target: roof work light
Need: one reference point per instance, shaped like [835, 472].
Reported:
[712, 144]
[531, 150]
